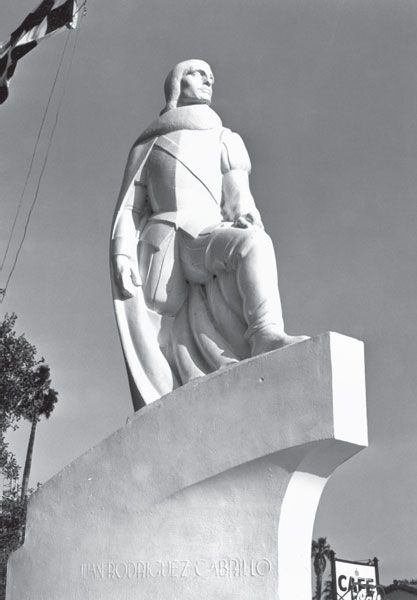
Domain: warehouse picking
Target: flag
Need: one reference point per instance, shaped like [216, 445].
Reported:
[50, 17]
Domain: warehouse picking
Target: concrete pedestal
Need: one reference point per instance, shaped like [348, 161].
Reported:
[209, 493]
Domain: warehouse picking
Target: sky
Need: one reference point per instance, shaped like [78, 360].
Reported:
[324, 95]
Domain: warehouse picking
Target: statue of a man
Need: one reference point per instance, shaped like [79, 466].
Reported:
[194, 274]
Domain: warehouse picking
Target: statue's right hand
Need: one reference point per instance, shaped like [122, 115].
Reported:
[126, 275]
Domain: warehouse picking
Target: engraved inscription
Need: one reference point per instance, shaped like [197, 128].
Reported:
[199, 568]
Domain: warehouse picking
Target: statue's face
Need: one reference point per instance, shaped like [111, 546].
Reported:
[196, 84]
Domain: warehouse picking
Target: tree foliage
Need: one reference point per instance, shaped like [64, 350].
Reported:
[18, 361]
[327, 593]
[13, 513]
[12, 517]
[18, 358]
[320, 554]
[25, 393]
[25, 390]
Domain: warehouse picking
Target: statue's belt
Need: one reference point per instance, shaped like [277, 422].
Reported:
[163, 223]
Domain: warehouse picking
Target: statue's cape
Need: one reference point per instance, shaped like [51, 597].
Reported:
[161, 353]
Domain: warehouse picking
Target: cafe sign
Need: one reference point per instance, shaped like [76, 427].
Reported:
[356, 580]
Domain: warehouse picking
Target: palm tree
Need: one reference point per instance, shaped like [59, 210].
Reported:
[42, 403]
[320, 553]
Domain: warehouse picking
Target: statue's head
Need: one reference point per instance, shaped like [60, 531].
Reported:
[189, 82]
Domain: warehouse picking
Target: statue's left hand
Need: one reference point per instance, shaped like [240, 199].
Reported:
[250, 219]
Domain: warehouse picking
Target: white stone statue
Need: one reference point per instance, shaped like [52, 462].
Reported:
[194, 274]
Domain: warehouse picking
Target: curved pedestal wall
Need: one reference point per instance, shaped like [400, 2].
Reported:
[210, 492]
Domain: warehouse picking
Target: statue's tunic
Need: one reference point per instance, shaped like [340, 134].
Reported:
[183, 178]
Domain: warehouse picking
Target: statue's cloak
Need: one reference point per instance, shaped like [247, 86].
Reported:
[163, 352]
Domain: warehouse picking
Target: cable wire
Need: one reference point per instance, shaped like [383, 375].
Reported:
[34, 153]
[4, 290]
[82, 6]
